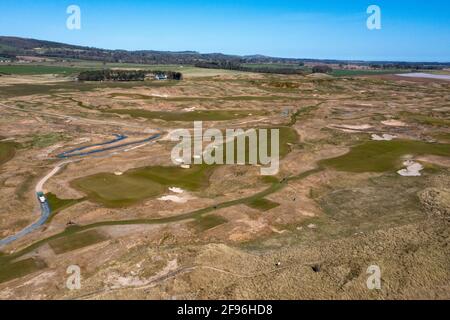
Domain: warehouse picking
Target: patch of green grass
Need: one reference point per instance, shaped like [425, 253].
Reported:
[76, 241]
[7, 151]
[38, 69]
[348, 73]
[208, 222]
[20, 90]
[12, 270]
[139, 184]
[57, 205]
[262, 204]
[273, 66]
[200, 115]
[383, 156]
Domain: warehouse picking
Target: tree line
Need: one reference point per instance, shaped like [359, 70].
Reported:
[237, 66]
[126, 75]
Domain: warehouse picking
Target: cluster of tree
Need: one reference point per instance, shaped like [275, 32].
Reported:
[323, 68]
[407, 66]
[126, 75]
[238, 66]
[112, 75]
[7, 56]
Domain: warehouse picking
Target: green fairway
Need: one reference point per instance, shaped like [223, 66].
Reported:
[7, 151]
[349, 73]
[26, 89]
[139, 184]
[262, 204]
[200, 115]
[208, 222]
[12, 270]
[38, 69]
[57, 205]
[382, 156]
[76, 241]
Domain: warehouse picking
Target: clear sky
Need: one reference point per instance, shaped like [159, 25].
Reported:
[412, 30]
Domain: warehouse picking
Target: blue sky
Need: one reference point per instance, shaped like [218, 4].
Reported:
[412, 30]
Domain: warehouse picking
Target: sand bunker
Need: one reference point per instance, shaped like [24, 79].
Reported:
[175, 199]
[384, 137]
[176, 190]
[160, 95]
[350, 127]
[394, 123]
[412, 169]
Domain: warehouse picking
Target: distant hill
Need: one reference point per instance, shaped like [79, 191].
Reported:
[15, 46]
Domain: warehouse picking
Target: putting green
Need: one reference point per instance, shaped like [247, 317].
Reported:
[76, 241]
[139, 184]
[383, 156]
